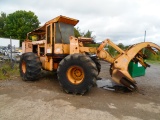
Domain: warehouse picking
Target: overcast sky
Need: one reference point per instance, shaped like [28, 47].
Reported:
[123, 21]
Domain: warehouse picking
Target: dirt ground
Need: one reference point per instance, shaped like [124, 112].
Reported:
[45, 100]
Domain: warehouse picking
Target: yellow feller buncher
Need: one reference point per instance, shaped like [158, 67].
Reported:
[54, 47]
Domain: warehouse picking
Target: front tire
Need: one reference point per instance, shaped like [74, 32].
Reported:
[30, 67]
[98, 64]
[76, 73]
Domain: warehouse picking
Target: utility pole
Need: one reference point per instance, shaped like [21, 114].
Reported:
[145, 36]
[144, 40]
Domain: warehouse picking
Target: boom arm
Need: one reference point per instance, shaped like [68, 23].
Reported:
[109, 42]
[103, 54]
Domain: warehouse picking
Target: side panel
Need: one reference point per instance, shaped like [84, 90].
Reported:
[26, 47]
[61, 49]
[74, 46]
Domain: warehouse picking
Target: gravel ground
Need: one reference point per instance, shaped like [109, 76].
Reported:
[45, 100]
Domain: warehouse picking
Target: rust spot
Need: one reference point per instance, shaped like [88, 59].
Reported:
[71, 37]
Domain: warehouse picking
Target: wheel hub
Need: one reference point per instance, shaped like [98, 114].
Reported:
[75, 75]
[24, 67]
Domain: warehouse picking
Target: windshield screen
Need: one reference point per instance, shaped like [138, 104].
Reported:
[63, 32]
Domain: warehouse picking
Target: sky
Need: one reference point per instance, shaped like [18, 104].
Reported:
[122, 21]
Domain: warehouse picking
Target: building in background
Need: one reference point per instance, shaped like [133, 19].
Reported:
[4, 42]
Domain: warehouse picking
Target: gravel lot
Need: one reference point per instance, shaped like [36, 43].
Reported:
[45, 100]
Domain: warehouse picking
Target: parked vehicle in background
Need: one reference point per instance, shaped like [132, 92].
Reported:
[3, 50]
[6, 53]
[15, 56]
[0, 49]
[16, 53]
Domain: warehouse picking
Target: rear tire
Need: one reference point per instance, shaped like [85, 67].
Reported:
[76, 73]
[30, 67]
[98, 64]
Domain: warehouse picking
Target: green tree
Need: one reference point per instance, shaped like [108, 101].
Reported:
[77, 32]
[158, 57]
[88, 34]
[19, 23]
[121, 46]
[148, 53]
[2, 24]
[111, 50]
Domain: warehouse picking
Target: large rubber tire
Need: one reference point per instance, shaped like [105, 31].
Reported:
[98, 64]
[30, 66]
[77, 73]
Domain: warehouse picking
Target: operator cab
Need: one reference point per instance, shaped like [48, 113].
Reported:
[53, 33]
[60, 28]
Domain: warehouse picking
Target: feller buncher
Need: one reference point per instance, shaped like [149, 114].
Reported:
[54, 47]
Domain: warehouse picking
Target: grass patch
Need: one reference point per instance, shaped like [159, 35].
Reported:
[8, 72]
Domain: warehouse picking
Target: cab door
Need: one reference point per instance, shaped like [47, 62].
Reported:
[49, 48]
